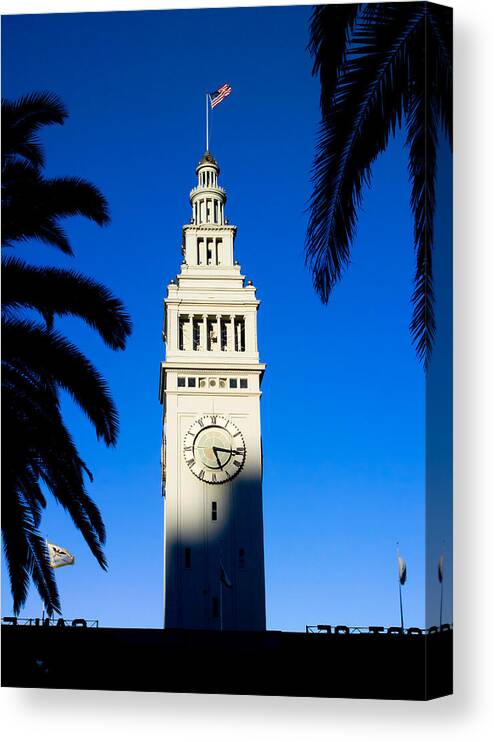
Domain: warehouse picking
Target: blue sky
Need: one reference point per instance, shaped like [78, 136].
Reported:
[343, 395]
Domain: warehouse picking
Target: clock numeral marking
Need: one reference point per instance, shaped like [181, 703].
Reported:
[213, 419]
[187, 448]
[239, 433]
[240, 450]
[237, 463]
[191, 462]
[201, 474]
[213, 478]
[200, 422]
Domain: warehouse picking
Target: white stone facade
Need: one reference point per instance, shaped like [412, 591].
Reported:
[212, 455]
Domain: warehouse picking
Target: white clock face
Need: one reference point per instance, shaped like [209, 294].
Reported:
[214, 449]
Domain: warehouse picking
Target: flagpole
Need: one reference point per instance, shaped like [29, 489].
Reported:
[401, 606]
[207, 123]
[440, 574]
[399, 584]
[441, 608]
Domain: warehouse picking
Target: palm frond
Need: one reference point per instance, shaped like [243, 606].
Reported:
[63, 197]
[23, 551]
[440, 57]
[52, 357]
[330, 32]
[368, 104]
[39, 442]
[31, 491]
[52, 291]
[22, 118]
[422, 127]
[32, 206]
[39, 452]
[42, 574]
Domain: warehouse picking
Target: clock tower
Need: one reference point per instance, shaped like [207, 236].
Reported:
[211, 453]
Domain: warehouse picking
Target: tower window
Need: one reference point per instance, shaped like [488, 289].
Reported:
[181, 381]
[215, 607]
[243, 383]
[233, 383]
[241, 558]
[188, 557]
[214, 511]
[191, 381]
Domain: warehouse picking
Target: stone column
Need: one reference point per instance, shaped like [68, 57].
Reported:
[203, 345]
[229, 333]
[243, 331]
[218, 331]
[237, 333]
[190, 341]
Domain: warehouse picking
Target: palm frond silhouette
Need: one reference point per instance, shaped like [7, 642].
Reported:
[380, 66]
[39, 453]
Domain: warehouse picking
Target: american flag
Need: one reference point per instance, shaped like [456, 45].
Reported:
[219, 94]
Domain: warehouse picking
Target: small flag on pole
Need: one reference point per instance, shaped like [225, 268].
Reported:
[59, 557]
[440, 569]
[219, 94]
[224, 579]
[402, 570]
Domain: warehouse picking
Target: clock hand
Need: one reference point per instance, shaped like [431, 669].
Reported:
[217, 457]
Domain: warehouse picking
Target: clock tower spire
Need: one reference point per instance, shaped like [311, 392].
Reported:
[210, 390]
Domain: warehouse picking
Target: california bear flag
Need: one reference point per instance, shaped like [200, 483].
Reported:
[59, 557]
